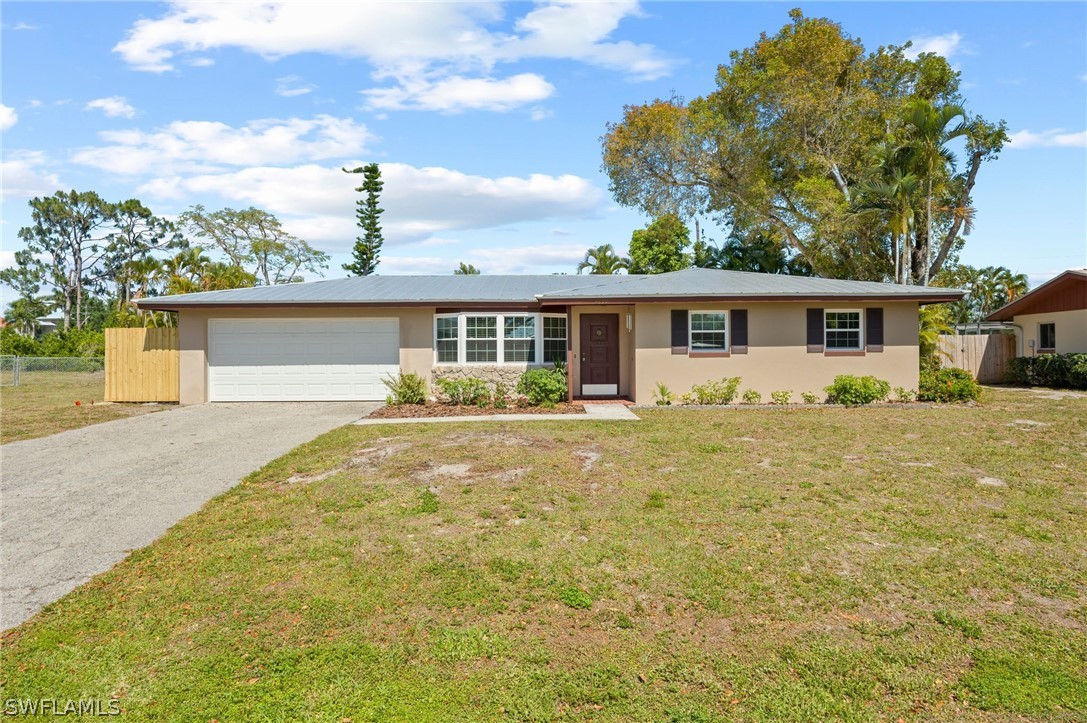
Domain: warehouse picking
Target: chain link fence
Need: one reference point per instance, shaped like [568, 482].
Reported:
[22, 370]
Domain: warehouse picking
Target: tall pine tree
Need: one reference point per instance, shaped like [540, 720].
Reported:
[368, 245]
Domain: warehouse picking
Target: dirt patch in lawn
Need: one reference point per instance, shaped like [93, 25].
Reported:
[424, 411]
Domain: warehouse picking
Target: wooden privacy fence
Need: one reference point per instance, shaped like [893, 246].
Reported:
[142, 365]
[983, 355]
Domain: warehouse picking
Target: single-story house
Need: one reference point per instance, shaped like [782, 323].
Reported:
[1051, 319]
[618, 335]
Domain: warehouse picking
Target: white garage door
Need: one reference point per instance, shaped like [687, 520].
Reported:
[256, 360]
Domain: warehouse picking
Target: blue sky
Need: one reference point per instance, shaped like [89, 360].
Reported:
[486, 118]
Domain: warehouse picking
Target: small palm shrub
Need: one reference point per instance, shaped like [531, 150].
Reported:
[543, 387]
[781, 397]
[466, 391]
[752, 397]
[716, 392]
[407, 388]
[853, 390]
[810, 397]
[948, 385]
[663, 395]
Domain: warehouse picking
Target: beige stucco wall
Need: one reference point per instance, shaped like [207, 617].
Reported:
[777, 357]
[627, 360]
[1071, 330]
[416, 342]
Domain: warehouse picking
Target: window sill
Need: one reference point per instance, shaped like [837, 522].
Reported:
[843, 352]
[1047, 351]
[709, 354]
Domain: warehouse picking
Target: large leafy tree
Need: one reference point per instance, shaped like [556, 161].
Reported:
[255, 240]
[660, 247]
[785, 142]
[603, 261]
[367, 250]
[65, 248]
[136, 235]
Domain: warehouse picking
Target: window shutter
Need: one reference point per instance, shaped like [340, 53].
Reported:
[815, 330]
[873, 329]
[679, 331]
[738, 317]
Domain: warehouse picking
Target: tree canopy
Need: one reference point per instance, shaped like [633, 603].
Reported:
[660, 247]
[789, 144]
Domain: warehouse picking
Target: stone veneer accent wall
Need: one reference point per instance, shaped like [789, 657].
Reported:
[492, 374]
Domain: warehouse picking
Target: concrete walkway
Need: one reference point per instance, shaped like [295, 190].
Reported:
[74, 504]
[593, 413]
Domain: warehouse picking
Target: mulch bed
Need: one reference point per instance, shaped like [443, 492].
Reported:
[399, 411]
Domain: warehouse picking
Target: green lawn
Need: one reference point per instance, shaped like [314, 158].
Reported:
[699, 565]
[45, 403]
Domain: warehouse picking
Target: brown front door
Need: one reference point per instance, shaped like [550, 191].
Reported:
[599, 355]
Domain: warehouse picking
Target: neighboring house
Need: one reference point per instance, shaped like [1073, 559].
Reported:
[1051, 319]
[620, 335]
[49, 325]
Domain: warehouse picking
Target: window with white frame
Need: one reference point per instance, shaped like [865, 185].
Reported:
[554, 339]
[519, 335]
[481, 339]
[515, 338]
[842, 330]
[447, 338]
[709, 331]
[1047, 336]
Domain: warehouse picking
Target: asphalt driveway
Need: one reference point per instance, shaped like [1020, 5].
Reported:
[74, 504]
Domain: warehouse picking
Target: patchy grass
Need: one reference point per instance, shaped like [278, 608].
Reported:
[808, 564]
[45, 403]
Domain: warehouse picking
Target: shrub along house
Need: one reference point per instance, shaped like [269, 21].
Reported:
[619, 335]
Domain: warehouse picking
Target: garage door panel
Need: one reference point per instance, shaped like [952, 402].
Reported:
[301, 359]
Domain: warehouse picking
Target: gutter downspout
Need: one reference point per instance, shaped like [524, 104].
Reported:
[1018, 337]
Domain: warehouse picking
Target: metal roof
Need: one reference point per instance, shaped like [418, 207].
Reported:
[487, 289]
[703, 283]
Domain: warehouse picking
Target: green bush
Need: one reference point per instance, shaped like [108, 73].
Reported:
[501, 396]
[752, 397]
[543, 387]
[406, 389]
[467, 391]
[1063, 371]
[948, 385]
[809, 397]
[852, 390]
[73, 342]
[716, 392]
[783, 396]
[663, 395]
[904, 395]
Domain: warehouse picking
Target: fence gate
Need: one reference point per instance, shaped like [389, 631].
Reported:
[983, 355]
[142, 365]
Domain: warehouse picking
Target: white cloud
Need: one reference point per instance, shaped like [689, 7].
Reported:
[202, 146]
[22, 175]
[115, 107]
[946, 45]
[291, 85]
[1054, 138]
[317, 202]
[507, 260]
[8, 117]
[440, 55]
[455, 94]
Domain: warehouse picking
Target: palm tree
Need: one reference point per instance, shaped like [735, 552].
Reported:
[929, 129]
[602, 260]
[219, 275]
[466, 270]
[893, 198]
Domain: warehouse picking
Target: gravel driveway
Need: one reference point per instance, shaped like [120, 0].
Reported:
[74, 504]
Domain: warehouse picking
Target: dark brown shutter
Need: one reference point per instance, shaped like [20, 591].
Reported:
[738, 317]
[873, 329]
[679, 331]
[815, 330]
